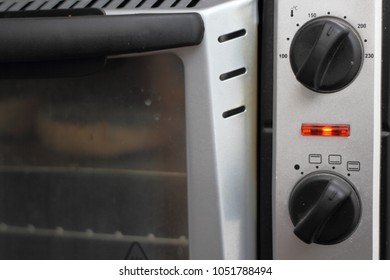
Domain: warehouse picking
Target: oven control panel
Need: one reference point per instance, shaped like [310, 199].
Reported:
[327, 129]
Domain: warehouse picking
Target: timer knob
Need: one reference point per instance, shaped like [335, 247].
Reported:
[324, 208]
[326, 54]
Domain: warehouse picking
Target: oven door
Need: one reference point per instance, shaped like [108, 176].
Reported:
[93, 148]
[113, 136]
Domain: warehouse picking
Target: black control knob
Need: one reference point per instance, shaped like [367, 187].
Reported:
[324, 208]
[326, 54]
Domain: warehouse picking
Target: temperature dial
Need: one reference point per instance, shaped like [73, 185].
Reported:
[326, 54]
[324, 208]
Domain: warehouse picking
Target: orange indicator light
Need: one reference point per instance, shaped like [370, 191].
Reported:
[327, 130]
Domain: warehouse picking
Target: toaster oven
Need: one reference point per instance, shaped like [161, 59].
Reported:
[128, 129]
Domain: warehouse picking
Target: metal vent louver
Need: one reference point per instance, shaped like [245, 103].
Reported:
[28, 5]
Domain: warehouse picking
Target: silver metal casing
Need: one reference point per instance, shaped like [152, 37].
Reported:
[221, 151]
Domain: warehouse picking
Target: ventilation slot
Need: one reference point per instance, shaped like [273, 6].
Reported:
[26, 6]
[108, 3]
[231, 36]
[51, 4]
[175, 3]
[140, 4]
[233, 112]
[123, 4]
[19, 5]
[41, 6]
[58, 5]
[90, 4]
[158, 3]
[193, 3]
[232, 74]
[13, 4]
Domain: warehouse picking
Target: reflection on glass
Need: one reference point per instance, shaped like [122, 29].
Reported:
[95, 167]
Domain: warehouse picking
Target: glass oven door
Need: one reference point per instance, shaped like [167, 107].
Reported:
[94, 167]
[92, 139]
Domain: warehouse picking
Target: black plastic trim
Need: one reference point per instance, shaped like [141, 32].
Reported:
[71, 37]
[266, 35]
[385, 152]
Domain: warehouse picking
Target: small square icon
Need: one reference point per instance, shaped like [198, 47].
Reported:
[353, 166]
[315, 159]
[334, 159]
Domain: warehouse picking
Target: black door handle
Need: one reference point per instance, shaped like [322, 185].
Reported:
[30, 39]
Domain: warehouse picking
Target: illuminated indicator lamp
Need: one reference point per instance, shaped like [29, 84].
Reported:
[326, 130]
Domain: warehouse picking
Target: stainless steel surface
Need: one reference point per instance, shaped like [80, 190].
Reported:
[357, 105]
[221, 152]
